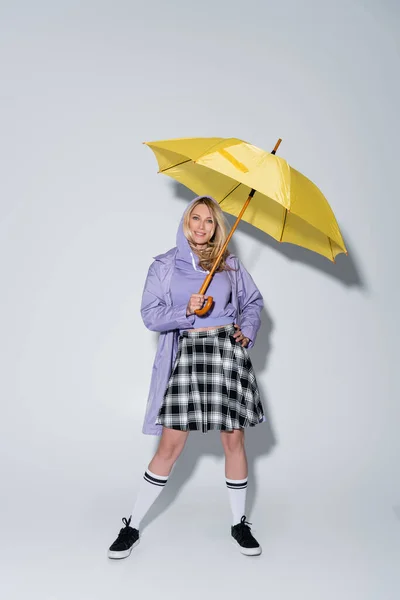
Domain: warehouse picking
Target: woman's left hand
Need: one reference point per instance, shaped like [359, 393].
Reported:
[239, 337]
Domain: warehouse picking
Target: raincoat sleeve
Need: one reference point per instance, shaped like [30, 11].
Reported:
[250, 305]
[156, 314]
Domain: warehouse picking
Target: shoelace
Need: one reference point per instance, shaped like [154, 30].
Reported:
[245, 528]
[126, 522]
[125, 529]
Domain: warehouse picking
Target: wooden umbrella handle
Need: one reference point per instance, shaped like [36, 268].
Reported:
[202, 311]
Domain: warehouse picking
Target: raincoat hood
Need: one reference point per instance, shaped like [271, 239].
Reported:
[186, 259]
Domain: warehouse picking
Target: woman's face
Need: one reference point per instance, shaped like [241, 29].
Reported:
[201, 225]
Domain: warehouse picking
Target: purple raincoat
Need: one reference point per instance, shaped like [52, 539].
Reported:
[160, 315]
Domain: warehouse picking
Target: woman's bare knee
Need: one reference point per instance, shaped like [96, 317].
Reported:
[233, 441]
[171, 444]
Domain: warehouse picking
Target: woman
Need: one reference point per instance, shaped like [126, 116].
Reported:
[202, 376]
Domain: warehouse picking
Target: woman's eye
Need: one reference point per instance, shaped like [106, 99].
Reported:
[209, 221]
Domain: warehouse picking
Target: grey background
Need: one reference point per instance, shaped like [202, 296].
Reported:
[83, 213]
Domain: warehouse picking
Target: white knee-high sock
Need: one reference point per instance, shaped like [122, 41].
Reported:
[237, 489]
[150, 488]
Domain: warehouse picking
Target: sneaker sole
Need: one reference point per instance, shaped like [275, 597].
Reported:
[123, 554]
[247, 551]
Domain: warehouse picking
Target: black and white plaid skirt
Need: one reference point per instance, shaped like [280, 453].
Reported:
[212, 384]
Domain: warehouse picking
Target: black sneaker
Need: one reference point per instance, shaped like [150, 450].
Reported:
[243, 538]
[127, 539]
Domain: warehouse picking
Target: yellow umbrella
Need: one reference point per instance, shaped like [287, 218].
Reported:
[277, 199]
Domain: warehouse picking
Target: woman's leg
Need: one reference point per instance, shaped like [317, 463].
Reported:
[156, 475]
[235, 454]
[235, 471]
[171, 445]
[236, 482]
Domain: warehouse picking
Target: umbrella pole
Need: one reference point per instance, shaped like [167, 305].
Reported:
[207, 281]
[278, 143]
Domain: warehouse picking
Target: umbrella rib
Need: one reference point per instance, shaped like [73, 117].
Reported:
[284, 223]
[229, 193]
[191, 159]
[330, 245]
[177, 165]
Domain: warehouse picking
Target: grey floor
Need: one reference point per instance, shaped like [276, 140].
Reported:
[54, 544]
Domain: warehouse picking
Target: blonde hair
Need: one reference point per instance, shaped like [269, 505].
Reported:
[209, 254]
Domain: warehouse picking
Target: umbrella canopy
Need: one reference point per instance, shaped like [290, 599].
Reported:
[284, 203]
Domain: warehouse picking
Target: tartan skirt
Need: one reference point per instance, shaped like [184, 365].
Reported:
[212, 384]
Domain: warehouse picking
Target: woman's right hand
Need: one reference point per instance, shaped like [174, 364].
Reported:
[196, 301]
